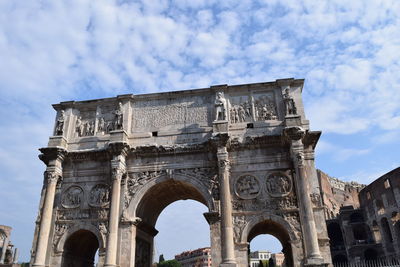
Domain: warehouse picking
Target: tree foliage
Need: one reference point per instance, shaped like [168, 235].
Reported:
[169, 263]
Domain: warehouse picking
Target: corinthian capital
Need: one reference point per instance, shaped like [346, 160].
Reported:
[223, 164]
[117, 173]
[51, 177]
[299, 158]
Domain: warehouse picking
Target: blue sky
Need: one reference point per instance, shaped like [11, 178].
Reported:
[52, 51]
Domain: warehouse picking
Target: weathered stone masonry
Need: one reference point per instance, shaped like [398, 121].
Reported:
[244, 151]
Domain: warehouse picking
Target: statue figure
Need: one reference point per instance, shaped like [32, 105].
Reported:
[220, 107]
[289, 103]
[60, 124]
[118, 122]
[101, 126]
[79, 126]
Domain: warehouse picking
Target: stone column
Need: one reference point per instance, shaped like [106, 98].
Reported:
[15, 257]
[228, 249]
[313, 255]
[118, 169]
[4, 249]
[53, 157]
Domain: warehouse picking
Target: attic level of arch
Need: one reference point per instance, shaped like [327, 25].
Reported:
[181, 117]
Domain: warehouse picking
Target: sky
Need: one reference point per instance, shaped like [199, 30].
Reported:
[348, 52]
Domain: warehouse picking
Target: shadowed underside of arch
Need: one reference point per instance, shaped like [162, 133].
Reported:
[160, 195]
[80, 249]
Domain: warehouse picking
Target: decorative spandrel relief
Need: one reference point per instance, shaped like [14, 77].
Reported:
[136, 180]
[265, 107]
[208, 176]
[278, 184]
[180, 111]
[294, 220]
[72, 197]
[247, 187]
[59, 230]
[99, 195]
[59, 130]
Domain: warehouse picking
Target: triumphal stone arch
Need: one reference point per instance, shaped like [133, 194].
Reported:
[244, 151]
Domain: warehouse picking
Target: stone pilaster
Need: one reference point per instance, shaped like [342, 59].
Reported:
[310, 236]
[53, 158]
[227, 242]
[118, 169]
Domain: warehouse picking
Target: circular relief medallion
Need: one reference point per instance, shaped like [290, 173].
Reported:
[247, 187]
[278, 184]
[72, 197]
[99, 196]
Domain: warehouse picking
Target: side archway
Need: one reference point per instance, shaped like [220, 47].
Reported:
[80, 249]
[277, 227]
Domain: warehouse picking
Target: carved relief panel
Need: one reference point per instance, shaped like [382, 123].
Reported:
[72, 197]
[85, 123]
[99, 195]
[240, 109]
[278, 184]
[265, 108]
[247, 187]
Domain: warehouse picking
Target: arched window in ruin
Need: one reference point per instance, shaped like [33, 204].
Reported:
[376, 232]
[386, 230]
[335, 235]
[387, 235]
[80, 249]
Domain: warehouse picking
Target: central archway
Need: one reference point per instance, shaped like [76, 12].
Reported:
[152, 200]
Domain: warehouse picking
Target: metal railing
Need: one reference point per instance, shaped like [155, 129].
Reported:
[370, 263]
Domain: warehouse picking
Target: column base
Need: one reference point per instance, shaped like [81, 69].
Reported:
[315, 262]
[233, 264]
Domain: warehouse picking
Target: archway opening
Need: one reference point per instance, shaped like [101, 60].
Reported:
[277, 236]
[152, 204]
[182, 227]
[80, 249]
[335, 236]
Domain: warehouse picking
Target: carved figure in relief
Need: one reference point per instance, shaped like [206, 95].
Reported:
[72, 197]
[99, 195]
[265, 109]
[118, 120]
[247, 187]
[239, 222]
[59, 231]
[278, 184]
[60, 123]
[240, 113]
[220, 107]
[289, 103]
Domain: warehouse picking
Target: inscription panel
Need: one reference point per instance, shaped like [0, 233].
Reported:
[174, 111]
